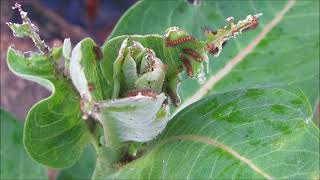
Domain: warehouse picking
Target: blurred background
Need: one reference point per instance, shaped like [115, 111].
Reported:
[56, 19]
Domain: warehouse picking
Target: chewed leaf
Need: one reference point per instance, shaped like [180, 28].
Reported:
[176, 51]
[35, 68]
[20, 30]
[28, 29]
[153, 80]
[139, 118]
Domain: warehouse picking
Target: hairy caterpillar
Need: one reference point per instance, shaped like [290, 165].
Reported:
[207, 31]
[90, 87]
[179, 41]
[212, 49]
[187, 64]
[145, 92]
[193, 53]
[173, 96]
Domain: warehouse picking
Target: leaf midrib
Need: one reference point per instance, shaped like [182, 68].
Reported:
[215, 143]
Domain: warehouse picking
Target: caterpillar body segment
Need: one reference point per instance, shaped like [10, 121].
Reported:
[187, 64]
[144, 92]
[193, 53]
[176, 42]
[175, 36]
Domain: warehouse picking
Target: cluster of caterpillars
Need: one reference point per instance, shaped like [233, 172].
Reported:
[176, 37]
[194, 49]
[191, 51]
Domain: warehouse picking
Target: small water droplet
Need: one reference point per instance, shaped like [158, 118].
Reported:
[201, 77]
[307, 120]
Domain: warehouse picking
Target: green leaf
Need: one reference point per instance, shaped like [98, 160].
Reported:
[244, 134]
[20, 30]
[155, 42]
[54, 133]
[15, 163]
[285, 57]
[83, 169]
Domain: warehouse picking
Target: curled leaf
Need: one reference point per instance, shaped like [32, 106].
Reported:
[137, 69]
[139, 118]
[86, 75]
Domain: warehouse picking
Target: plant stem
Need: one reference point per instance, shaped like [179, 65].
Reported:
[105, 155]
[103, 163]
